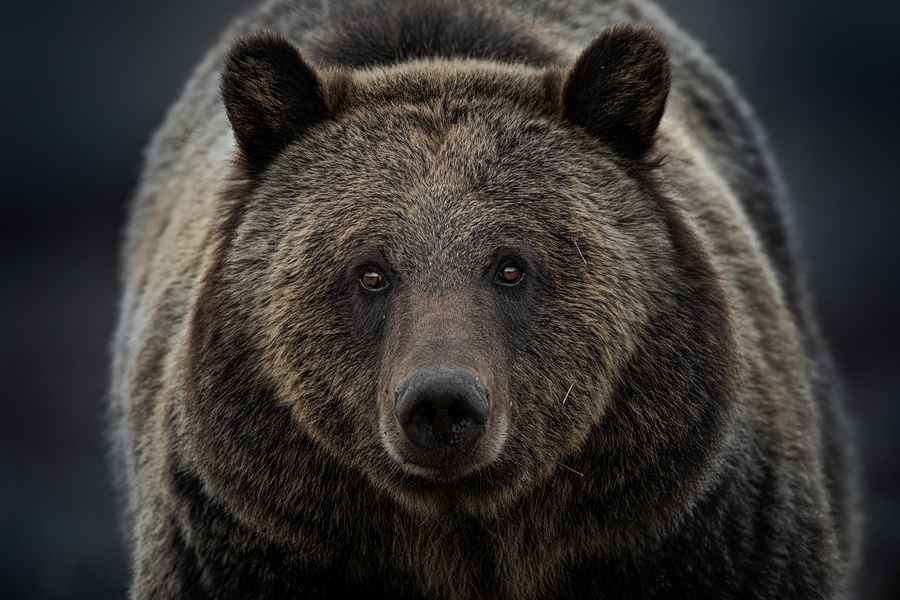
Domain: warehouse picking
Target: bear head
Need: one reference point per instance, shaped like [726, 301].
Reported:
[451, 279]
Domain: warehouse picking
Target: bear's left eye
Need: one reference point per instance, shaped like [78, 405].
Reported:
[510, 274]
[373, 280]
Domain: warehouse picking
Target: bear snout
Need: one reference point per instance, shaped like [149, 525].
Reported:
[442, 412]
[442, 408]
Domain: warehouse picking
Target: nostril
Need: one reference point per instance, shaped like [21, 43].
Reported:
[444, 419]
[438, 408]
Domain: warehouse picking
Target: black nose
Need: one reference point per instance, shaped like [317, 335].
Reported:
[442, 408]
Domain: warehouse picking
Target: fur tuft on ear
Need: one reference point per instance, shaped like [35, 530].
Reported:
[617, 89]
[271, 96]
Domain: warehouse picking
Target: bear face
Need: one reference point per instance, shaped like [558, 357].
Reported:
[459, 306]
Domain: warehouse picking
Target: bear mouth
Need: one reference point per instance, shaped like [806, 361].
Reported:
[446, 473]
[448, 464]
[444, 465]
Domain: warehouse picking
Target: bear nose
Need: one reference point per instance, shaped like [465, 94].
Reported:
[442, 408]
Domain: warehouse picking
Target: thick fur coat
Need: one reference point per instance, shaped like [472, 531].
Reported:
[664, 419]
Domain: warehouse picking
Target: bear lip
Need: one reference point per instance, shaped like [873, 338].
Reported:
[432, 462]
[445, 473]
[450, 465]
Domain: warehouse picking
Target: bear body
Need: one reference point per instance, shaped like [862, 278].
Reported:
[460, 300]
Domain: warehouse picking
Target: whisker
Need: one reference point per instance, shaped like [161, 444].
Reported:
[569, 391]
[579, 473]
[579, 252]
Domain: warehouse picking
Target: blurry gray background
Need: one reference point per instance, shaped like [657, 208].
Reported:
[85, 83]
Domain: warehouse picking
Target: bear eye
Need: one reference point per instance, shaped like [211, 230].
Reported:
[510, 274]
[373, 280]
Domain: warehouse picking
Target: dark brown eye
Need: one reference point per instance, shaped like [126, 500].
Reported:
[510, 274]
[373, 280]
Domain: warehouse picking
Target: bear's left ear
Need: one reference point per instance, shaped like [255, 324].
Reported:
[271, 96]
[617, 89]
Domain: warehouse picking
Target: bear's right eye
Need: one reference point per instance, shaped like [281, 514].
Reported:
[373, 280]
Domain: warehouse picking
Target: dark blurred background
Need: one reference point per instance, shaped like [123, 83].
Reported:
[85, 83]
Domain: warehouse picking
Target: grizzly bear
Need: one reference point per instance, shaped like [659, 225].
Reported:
[461, 299]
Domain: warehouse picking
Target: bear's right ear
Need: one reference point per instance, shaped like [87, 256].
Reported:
[271, 96]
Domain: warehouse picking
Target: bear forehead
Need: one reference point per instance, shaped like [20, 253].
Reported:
[423, 177]
[476, 135]
[473, 81]
[439, 155]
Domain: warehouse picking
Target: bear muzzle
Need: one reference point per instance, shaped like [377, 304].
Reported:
[442, 413]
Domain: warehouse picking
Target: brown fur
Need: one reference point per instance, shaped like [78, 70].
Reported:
[657, 427]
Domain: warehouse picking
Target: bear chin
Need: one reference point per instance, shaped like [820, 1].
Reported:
[485, 491]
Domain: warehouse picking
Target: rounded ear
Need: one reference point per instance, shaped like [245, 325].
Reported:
[617, 89]
[271, 95]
